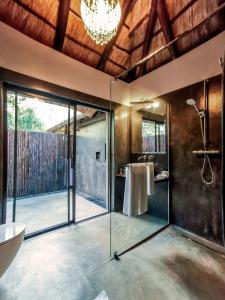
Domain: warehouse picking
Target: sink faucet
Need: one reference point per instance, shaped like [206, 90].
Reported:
[142, 156]
[150, 158]
[145, 157]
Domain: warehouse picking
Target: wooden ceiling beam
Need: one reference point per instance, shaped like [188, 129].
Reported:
[116, 64]
[179, 14]
[127, 5]
[127, 26]
[150, 27]
[166, 27]
[76, 14]
[142, 43]
[72, 39]
[122, 49]
[149, 32]
[132, 4]
[34, 13]
[138, 25]
[62, 20]
[183, 10]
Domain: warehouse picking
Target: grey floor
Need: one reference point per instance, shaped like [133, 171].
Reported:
[127, 231]
[47, 210]
[72, 264]
[54, 266]
[168, 267]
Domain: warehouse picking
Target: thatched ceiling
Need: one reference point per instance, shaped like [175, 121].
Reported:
[145, 26]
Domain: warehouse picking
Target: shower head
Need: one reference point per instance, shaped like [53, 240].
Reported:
[193, 103]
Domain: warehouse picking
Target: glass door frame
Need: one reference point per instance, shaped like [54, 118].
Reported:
[72, 105]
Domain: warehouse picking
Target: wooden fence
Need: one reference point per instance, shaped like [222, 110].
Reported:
[41, 162]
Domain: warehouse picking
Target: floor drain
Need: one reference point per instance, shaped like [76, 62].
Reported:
[116, 256]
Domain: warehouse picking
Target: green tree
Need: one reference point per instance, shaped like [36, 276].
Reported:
[26, 118]
[148, 128]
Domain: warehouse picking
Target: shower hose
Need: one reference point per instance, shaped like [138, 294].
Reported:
[206, 156]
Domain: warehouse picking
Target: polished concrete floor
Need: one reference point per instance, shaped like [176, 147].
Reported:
[44, 211]
[168, 267]
[72, 263]
[54, 266]
[126, 232]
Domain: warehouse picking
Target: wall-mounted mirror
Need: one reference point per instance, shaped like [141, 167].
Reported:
[149, 134]
[149, 128]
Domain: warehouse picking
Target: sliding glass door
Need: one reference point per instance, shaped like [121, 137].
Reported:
[38, 162]
[57, 162]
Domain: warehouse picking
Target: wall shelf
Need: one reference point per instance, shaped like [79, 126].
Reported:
[209, 152]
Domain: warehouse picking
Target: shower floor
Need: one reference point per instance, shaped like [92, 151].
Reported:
[68, 264]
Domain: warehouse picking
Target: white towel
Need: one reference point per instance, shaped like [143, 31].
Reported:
[135, 194]
[150, 179]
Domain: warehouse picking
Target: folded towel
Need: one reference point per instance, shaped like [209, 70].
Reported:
[135, 194]
[150, 178]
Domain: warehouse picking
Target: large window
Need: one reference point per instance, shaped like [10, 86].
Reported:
[153, 136]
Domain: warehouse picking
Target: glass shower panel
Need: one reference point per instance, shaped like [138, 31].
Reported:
[140, 181]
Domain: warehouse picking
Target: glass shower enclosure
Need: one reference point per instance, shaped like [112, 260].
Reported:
[139, 139]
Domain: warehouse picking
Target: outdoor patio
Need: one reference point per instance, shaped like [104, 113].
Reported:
[40, 212]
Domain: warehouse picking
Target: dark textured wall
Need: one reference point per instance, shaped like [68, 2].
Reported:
[195, 206]
[122, 132]
[120, 153]
[158, 202]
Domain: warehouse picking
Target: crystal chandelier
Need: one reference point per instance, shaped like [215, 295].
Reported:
[101, 18]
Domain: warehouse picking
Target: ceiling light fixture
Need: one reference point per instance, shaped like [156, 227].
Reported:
[101, 19]
[152, 105]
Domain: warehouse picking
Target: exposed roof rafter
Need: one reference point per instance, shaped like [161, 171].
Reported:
[72, 39]
[34, 13]
[138, 25]
[126, 7]
[149, 31]
[122, 49]
[116, 64]
[63, 14]
[180, 13]
[166, 27]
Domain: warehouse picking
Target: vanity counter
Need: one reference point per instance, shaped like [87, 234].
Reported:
[156, 179]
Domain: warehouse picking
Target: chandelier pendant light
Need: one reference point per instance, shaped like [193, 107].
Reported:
[101, 19]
